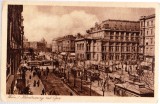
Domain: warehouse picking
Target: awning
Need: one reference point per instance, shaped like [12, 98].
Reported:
[63, 53]
[72, 54]
[145, 64]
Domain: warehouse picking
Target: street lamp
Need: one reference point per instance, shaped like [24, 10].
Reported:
[68, 75]
[90, 83]
[81, 82]
[103, 89]
[74, 77]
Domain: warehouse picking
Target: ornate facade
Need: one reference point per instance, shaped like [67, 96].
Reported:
[111, 40]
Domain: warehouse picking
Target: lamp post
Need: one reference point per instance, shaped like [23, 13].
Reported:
[68, 76]
[74, 78]
[81, 83]
[82, 74]
[90, 83]
[103, 88]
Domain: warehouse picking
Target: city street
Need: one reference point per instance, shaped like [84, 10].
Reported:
[85, 86]
[55, 86]
[79, 52]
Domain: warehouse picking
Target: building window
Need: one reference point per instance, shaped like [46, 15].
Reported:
[146, 50]
[133, 49]
[122, 48]
[117, 57]
[93, 48]
[152, 22]
[77, 46]
[151, 40]
[146, 43]
[147, 23]
[127, 36]
[111, 57]
[88, 47]
[142, 23]
[111, 49]
[122, 57]
[116, 37]
[117, 48]
[128, 56]
[147, 32]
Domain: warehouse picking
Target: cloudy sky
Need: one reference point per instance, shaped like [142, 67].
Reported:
[50, 22]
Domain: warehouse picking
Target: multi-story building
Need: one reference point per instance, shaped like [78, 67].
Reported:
[147, 34]
[111, 40]
[14, 44]
[48, 47]
[38, 46]
[54, 46]
[147, 26]
[68, 44]
[26, 43]
[64, 44]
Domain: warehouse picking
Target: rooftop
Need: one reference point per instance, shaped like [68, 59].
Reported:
[134, 87]
[119, 20]
[148, 17]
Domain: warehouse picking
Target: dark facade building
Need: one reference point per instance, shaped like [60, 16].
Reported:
[38, 46]
[14, 44]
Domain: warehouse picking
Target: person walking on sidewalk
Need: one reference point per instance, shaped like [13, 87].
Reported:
[43, 92]
[47, 70]
[30, 77]
[34, 83]
[38, 83]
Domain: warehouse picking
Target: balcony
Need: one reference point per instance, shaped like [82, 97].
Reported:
[119, 40]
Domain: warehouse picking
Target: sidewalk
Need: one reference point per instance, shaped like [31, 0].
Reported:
[35, 90]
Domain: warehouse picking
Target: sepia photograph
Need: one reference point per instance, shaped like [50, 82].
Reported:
[62, 50]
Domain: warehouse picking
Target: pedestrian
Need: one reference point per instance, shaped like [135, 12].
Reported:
[47, 70]
[71, 94]
[43, 92]
[34, 83]
[44, 73]
[38, 83]
[31, 68]
[33, 74]
[30, 77]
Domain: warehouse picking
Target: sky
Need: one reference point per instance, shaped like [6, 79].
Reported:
[50, 22]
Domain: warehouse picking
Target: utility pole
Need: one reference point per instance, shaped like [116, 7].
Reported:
[68, 76]
[74, 78]
[90, 88]
[81, 83]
